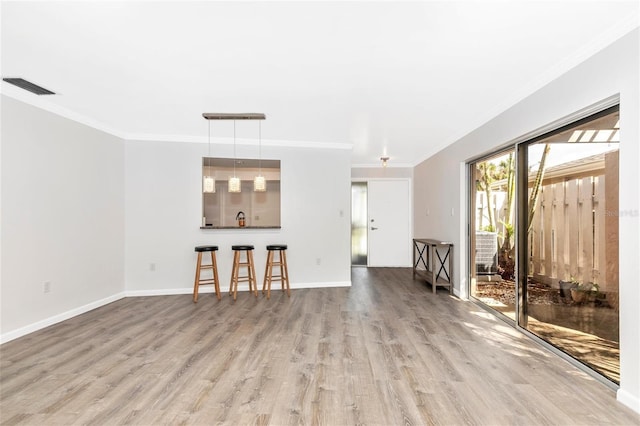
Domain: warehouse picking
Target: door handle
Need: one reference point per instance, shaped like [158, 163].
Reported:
[373, 228]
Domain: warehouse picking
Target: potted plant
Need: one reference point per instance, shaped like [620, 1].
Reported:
[584, 292]
[566, 286]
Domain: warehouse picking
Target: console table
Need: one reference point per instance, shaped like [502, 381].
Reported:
[433, 260]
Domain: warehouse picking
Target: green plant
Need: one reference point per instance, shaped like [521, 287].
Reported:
[487, 174]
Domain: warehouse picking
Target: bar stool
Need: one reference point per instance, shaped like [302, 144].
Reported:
[235, 274]
[282, 263]
[199, 267]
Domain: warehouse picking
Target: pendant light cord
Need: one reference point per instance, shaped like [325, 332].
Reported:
[209, 151]
[234, 148]
[260, 147]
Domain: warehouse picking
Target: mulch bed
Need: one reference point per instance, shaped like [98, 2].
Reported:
[504, 292]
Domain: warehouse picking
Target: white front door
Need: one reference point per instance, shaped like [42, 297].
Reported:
[389, 223]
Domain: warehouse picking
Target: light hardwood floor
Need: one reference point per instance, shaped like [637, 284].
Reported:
[385, 351]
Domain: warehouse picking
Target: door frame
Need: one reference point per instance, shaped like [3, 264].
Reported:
[410, 182]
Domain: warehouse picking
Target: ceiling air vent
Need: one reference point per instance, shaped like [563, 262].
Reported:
[27, 85]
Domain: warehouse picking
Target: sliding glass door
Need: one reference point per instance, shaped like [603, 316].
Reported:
[566, 203]
[572, 241]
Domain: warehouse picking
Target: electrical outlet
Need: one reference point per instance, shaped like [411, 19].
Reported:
[46, 287]
[152, 266]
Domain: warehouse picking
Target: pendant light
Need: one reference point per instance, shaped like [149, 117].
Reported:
[259, 182]
[234, 182]
[208, 181]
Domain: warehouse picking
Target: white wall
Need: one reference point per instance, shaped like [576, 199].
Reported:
[62, 218]
[439, 181]
[89, 213]
[163, 216]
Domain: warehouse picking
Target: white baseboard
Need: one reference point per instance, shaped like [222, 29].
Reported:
[631, 401]
[322, 284]
[167, 291]
[22, 331]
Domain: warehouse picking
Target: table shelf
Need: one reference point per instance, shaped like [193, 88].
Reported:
[433, 261]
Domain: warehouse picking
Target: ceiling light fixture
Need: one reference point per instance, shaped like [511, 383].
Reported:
[234, 182]
[259, 182]
[208, 181]
[384, 161]
[233, 116]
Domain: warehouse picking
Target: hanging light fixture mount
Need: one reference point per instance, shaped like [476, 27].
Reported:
[233, 116]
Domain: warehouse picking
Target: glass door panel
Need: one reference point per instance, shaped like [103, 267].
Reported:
[491, 232]
[571, 295]
[359, 223]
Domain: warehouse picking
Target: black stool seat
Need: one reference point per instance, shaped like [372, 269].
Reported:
[277, 247]
[206, 248]
[242, 247]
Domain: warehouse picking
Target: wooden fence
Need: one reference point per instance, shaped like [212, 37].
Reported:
[575, 229]
[568, 232]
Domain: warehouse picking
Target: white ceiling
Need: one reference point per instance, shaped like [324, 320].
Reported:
[405, 78]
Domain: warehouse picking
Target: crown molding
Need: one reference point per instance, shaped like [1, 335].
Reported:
[138, 137]
[44, 104]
